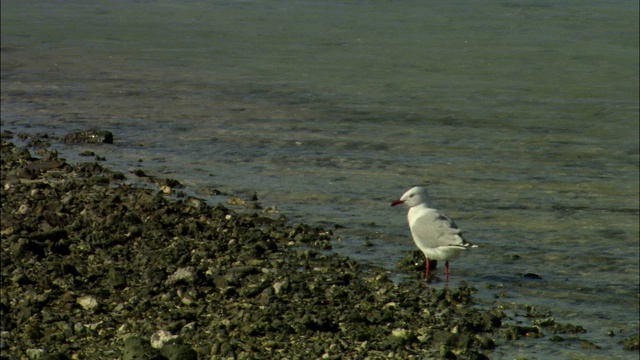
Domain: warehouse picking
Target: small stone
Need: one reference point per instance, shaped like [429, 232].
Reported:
[24, 209]
[556, 338]
[116, 279]
[138, 173]
[243, 270]
[236, 201]
[162, 338]
[67, 199]
[282, 287]
[486, 342]
[544, 322]
[136, 348]
[586, 344]
[35, 354]
[532, 276]
[183, 275]
[89, 137]
[402, 333]
[26, 173]
[189, 328]
[187, 300]
[94, 326]
[195, 203]
[87, 302]
[390, 305]
[631, 343]
[178, 352]
[266, 296]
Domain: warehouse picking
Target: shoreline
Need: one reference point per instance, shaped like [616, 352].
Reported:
[94, 267]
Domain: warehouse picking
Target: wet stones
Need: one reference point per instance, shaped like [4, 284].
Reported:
[45, 165]
[89, 137]
[178, 352]
[116, 278]
[136, 348]
[94, 268]
[631, 343]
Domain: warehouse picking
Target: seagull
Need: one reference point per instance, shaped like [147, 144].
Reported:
[435, 234]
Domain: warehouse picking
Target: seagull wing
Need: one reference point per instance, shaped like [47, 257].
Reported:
[435, 229]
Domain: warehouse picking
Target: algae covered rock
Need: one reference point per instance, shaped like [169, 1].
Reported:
[89, 137]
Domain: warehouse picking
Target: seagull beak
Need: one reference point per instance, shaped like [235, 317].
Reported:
[397, 202]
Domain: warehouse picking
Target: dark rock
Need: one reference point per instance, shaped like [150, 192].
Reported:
[54, 356]
[178, 352]
[53, 235]
[89, 137]
[139, 173]
[117, 280]
[532, 276]
[243, 270]
[26, 173]
[46, 165]
[6, 134]
[415, 262]
[631, 343]
[136, 348]
[586, 344]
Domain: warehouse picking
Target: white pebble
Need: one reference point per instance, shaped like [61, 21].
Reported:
[163, 337]
[401, 333]
[35, 353]
[87, 302]
[186, 274]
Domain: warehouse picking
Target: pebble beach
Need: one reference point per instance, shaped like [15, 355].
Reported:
[97, 264]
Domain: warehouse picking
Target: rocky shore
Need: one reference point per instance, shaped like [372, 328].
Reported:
[94, 267]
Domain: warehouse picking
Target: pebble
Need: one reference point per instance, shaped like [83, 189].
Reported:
[35, 354]
[282, 287]
[87, 302]
[182, 275]
[162, 338]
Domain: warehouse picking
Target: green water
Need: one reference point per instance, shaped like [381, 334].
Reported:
[522, 116]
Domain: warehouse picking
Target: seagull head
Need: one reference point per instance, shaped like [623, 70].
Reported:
[415, 196]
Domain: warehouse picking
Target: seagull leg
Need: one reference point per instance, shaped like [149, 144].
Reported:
[426, 272]
[446, 271]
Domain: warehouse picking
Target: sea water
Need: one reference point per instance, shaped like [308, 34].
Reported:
[520, 116]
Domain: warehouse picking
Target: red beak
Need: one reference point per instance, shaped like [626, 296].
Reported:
[397, 202]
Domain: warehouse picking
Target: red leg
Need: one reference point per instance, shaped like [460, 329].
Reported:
[446, 271]
[426, 272]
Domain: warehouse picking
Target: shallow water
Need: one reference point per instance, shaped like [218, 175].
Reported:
[522, 117]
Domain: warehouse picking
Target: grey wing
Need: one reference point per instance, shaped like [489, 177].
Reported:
[437, 229]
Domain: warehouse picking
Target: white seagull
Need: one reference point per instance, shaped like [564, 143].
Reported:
[435, 234]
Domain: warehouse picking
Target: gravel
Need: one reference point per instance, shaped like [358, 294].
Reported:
[95, 267]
